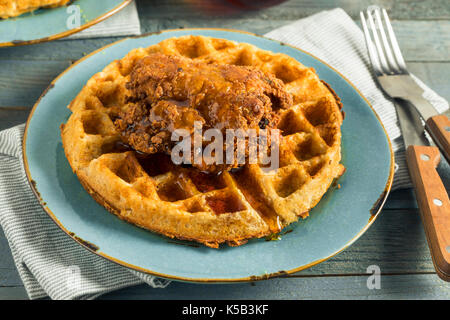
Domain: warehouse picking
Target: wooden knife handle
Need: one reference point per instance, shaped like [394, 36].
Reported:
[434, 204]
[439, 127]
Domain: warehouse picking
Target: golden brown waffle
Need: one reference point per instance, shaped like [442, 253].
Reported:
[14, 8]
[183, 203]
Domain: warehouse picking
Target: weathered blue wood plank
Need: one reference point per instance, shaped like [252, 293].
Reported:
[422, 41]
[63, 50]
[435, 75]
[22, 82]
[418, 286]
[423, 286]
[401, 199]
[10, 117]
[13, 293]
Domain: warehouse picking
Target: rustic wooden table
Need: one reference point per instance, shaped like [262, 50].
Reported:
[396, 242]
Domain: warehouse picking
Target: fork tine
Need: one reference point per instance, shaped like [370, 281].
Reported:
[395, 46]
[370, 47]
[376, 39]
[387, 48]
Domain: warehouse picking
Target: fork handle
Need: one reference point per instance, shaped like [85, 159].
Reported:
[434, 204]
[439, 128]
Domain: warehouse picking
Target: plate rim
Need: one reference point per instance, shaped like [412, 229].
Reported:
[67, 33]
[376, 207]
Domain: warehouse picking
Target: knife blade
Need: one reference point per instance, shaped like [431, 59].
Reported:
[410, 124]
[403, 86]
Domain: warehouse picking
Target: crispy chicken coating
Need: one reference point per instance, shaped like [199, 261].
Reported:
[172, 92]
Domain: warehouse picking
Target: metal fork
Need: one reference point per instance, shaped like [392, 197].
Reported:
[393, 76]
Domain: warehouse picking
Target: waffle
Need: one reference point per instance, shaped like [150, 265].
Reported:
[14, 8]
[153, 193]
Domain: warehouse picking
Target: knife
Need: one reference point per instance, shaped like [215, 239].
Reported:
[437, 125]
[432, 198]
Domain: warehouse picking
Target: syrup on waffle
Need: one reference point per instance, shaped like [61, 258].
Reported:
[234, 206]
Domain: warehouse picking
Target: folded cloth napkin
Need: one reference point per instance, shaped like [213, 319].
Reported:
[335, 38]
[123, 23]
[50, 263]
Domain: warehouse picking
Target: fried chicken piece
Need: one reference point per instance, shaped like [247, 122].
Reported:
[171, 92]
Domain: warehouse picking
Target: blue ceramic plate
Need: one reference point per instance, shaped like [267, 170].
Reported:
[336, 222]
[50, 24]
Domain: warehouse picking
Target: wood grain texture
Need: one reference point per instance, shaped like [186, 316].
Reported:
[434, 74]
[418, 286]
[421, 41]
[61, 50]
[434, 204]
[10, 117]
[13, 293]
[439, 128]
[424, 286]
[29, 80]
